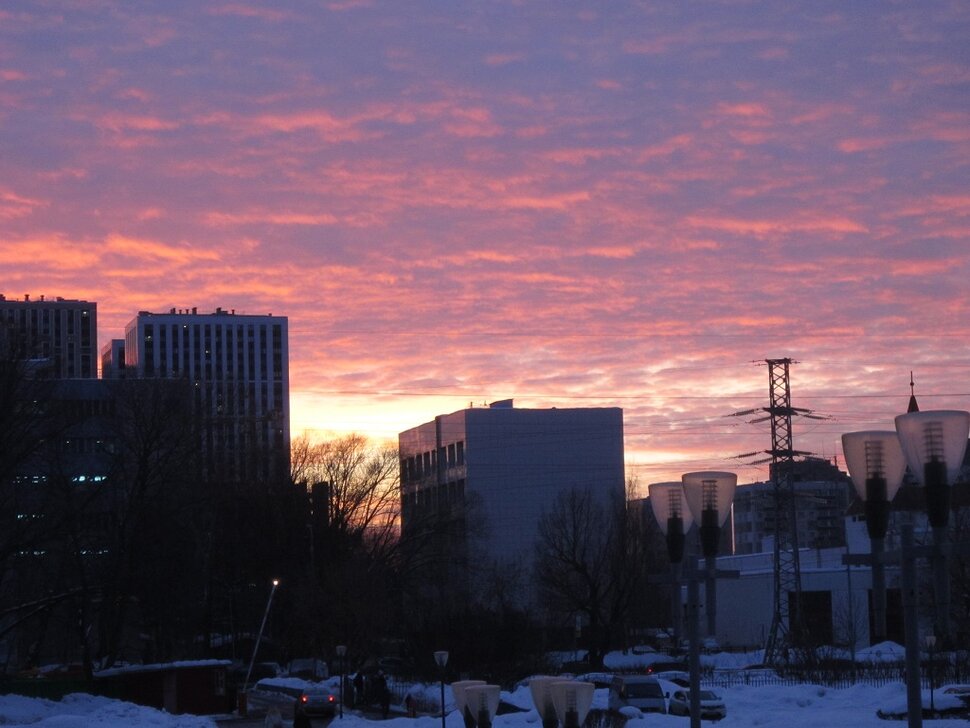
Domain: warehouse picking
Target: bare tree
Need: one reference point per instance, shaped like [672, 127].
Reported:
[353, 574]
[589, 563]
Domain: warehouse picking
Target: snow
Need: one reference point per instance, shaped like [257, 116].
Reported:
[766, 706]
[80, 711]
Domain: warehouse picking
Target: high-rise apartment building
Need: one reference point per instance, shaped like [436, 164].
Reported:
[59, 336]
[493, 471]
[238, 368]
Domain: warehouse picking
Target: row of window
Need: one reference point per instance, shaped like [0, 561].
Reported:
[416, 468]
[85, 445]
[52, 337]
[199, 350]
[445, 495]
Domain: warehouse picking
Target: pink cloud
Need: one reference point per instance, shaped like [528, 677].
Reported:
[117, 122]
[275, 218]
[250, 11]
[151, 250]
[503, 59]
[774, 228]
[13, 205]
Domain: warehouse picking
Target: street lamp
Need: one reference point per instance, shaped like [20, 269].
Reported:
[709, 496]
[876, 464]
[259, 637]
[441, 659]
[461, 703]
[675, 519]
[540, 688]
[934, 442]
[572, 700]
[482, 701]
[930, 641]
[341, 653]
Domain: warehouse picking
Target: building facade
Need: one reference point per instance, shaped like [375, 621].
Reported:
[493, 471]
[822, 496]
[238, 369]
[59, 336]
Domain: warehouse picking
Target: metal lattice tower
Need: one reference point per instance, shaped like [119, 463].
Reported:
[787, 617]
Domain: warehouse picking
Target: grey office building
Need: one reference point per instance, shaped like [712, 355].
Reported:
[497, 469]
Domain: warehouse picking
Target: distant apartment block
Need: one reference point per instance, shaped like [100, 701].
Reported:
[238, 369]
[495, 470]
[113, 359]
[59, 336]
[822, 495]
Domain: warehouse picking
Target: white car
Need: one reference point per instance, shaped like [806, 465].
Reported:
[712, 706]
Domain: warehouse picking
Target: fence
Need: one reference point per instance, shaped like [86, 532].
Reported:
[841, 676]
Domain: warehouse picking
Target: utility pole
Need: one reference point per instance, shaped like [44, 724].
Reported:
[786, 622]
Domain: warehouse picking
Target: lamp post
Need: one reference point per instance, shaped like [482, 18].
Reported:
[876, 465]
[341, 654]
[441, 659]
[709, 495]
[930, 641]
[482, 701]
[259, 637]
[572, 701]
[458, 689]
[540, 687]
[667, 502]
[934, 442]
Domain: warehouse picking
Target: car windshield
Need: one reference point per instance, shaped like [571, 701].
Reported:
[644, 690]
[708, 695]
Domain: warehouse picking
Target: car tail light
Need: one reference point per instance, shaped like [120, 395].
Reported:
[304, 698]
[330, 698]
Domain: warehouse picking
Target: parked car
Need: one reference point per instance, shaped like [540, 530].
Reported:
[962, 692]
[599, 679]
[637, 691]
[308, 668]
[315, 701]
[712, 706]
[678, 677]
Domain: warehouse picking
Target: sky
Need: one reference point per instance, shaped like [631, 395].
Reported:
[626, 204]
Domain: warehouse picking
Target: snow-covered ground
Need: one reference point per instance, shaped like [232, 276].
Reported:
[768, 706]
[803, 706]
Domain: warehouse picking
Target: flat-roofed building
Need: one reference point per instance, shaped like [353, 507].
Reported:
[59, 336]
[238, 369]
[493, 471]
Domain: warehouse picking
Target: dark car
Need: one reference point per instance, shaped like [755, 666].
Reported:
[314, 702]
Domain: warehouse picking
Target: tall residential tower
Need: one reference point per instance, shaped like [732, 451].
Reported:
[238, 368]
[59, 336]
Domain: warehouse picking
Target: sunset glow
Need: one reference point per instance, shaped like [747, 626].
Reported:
[630, 204]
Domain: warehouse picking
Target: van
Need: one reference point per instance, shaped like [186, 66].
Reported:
[637, 691]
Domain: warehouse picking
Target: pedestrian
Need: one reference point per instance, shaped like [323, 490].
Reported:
[409, 705]
[382, 693]
[359, 689]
